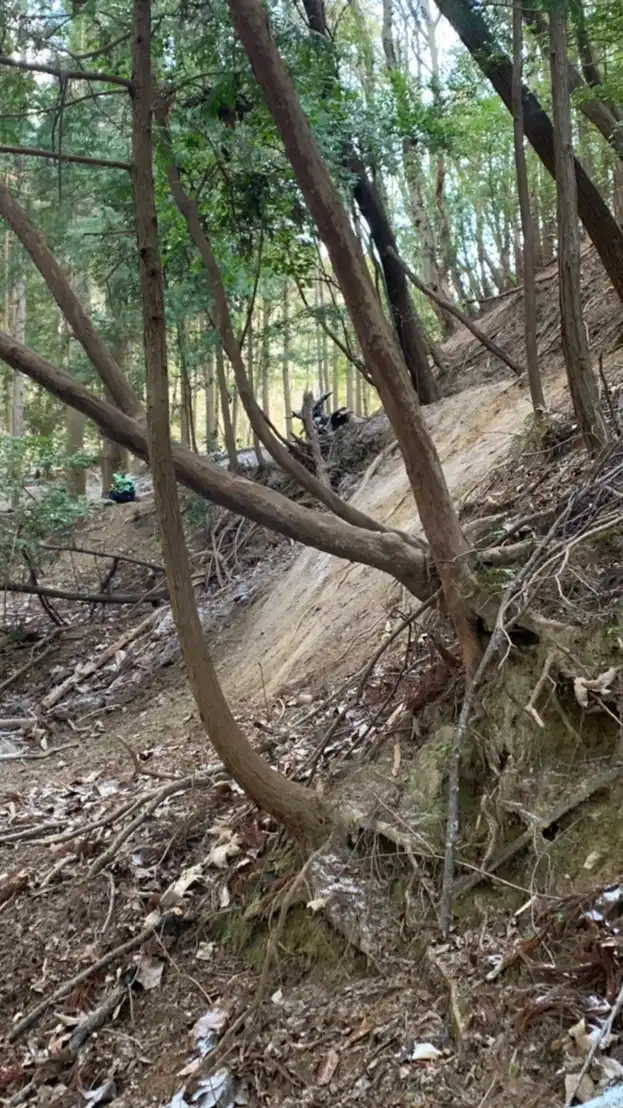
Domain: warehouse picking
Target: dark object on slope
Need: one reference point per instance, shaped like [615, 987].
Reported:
[326, 423]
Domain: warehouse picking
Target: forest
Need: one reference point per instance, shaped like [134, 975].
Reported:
[311, 552]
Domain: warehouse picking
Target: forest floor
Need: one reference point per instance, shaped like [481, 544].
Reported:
[128, 855]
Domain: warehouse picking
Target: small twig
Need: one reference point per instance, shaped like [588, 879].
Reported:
[111, 903]
[613, 413]
[103, 554]
[138, 766]
[601, 1037]
[37, 757]
[402, 626]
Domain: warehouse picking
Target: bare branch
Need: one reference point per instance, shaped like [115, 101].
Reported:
[79, 159]
[458, 314]
[85, 598]
[65, 74]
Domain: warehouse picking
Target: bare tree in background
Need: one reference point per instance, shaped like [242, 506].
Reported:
[582, 381]
[527, 223]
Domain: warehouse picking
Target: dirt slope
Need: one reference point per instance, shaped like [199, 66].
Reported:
[325, 612]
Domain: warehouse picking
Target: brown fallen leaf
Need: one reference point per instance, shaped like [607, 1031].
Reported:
[328, 1068]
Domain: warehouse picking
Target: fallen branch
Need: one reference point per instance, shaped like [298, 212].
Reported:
[102, 554]
[83, 672]
[98, 1017]
[27, 1021]
[39, 756]
[458, 314]
[85, 598]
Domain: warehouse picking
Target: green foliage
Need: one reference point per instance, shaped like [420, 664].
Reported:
[34, 507]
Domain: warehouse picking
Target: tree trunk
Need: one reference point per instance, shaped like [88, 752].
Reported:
[210, 403]
[19, 326]
[251, 370]
[266, 358]
[600, 224]
[187, 423]
[449, 548]
[582, 383]
[335, 376]
[287, 391]
[298, 809]
[75, 476]
[527, 224]
[411, 164]
[228, 430]
[350, 386]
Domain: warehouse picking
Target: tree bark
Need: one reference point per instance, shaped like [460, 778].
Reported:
[297, 808]
[285, 369]
[582, 382]
[228, 430]
[600, 224]
[528, 257]
[449, 548]
[211, 438]
[19, 326]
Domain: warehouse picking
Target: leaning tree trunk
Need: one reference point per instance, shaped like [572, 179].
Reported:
[527, 222]
[372, 208]
[449, 548]
[582, 383]
[601, 226]
[297, 808]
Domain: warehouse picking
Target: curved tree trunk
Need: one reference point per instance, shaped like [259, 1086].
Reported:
[601, 226]
[297, 808]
